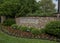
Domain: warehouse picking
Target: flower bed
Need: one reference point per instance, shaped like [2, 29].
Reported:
[25, 34]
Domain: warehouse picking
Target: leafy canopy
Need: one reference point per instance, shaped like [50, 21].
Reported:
[17, 7]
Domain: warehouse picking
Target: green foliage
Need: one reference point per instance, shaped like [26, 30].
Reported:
[53, 28]
[14, 26]
[27, 29]
[27, 8]
[23, 28]
[23, 7]
[47, 8]
[35, 31]
[9, 22]
[18, 7]
[1, 1]
[42, 31]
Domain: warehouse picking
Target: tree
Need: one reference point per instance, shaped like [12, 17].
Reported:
[47, 8]
[17, 7]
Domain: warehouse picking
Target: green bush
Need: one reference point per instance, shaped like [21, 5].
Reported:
[35, 31]
[53, 28]
[42, 31]
[24, 28]
[14, 26]
[9, 22]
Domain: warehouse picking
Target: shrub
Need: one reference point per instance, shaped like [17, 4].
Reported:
[24, 28]
[35, 31]
[14, 26]
[42, 31]
[53, 28]
[9, 22]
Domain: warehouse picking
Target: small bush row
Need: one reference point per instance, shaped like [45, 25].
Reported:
[27, 29]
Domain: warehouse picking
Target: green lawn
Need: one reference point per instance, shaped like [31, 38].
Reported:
[4, 38]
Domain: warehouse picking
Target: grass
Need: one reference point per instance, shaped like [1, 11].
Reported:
[4, 38]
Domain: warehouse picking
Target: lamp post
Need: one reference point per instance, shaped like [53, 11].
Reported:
[59, 6]
[58, 9]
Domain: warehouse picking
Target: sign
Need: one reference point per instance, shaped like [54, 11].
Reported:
[29, 20]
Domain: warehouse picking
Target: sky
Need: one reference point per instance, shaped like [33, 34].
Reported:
[54, 1]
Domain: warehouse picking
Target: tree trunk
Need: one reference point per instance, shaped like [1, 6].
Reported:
[3, 19]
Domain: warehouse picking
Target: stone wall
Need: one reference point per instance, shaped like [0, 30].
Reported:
[37, 22]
